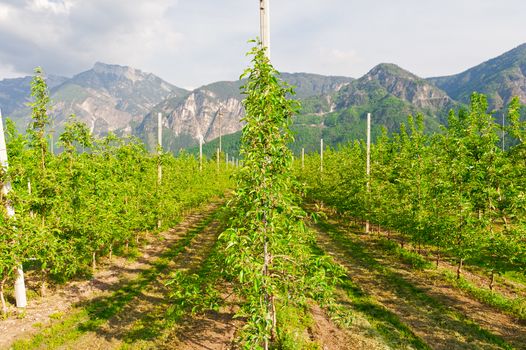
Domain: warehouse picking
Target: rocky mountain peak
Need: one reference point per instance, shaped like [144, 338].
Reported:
[119, 71]
[389, 71]
[390, 79]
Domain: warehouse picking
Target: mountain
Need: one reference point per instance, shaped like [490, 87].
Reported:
[500, 79]
[337, 115]
[187, 118]
[14, 93]
[106, 97]
[126, 100]
[387, 91]
[197, 113]
[391, 93]
[307, 85]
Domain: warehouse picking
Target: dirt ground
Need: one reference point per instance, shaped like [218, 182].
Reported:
[42, 312]
[437, 312]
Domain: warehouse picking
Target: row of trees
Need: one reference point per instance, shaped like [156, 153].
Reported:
[94, 198]
[458, 191]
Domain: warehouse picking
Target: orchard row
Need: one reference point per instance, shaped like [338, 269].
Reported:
[94, 198]
[458, 191]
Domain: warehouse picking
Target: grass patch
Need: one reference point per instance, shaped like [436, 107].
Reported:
[293, 325]
[438, 312]
[393, 331]
[387, 324]
[515, 307]
[98, 311]
[515, 277]
[407, 257]
[192, 291]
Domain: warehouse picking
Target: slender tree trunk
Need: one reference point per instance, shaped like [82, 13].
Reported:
[43, 283]
[43, 159]
[274, 318]
[94, 262]
[492, 280]
[4, 306]
[265, 272]
[459, 267]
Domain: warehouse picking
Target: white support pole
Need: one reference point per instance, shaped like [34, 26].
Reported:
[264, 24]
[159, 153]
[217, 158]
[321, 155]
[302, 158]
[159, 146]
[368, 163]
[200, 152]
[20, 286]
[220, 115]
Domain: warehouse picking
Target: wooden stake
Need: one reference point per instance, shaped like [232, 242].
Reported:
[20, 286]
[302, 158]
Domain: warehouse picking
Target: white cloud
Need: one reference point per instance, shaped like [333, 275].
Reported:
[196, 42]
[4, 12]
[54, 6]
[8, 71]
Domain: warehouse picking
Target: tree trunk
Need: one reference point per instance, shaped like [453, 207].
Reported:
[492, 280]
[266, 296]
[459, 268]
[274, 319]
[94, 262]
[4, 306]
[43, 283]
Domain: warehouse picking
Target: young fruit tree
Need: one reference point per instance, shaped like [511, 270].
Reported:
[267, 249]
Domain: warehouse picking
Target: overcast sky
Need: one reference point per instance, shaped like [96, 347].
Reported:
[194, 42]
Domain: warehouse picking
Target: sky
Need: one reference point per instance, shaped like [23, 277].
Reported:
[190, 43]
